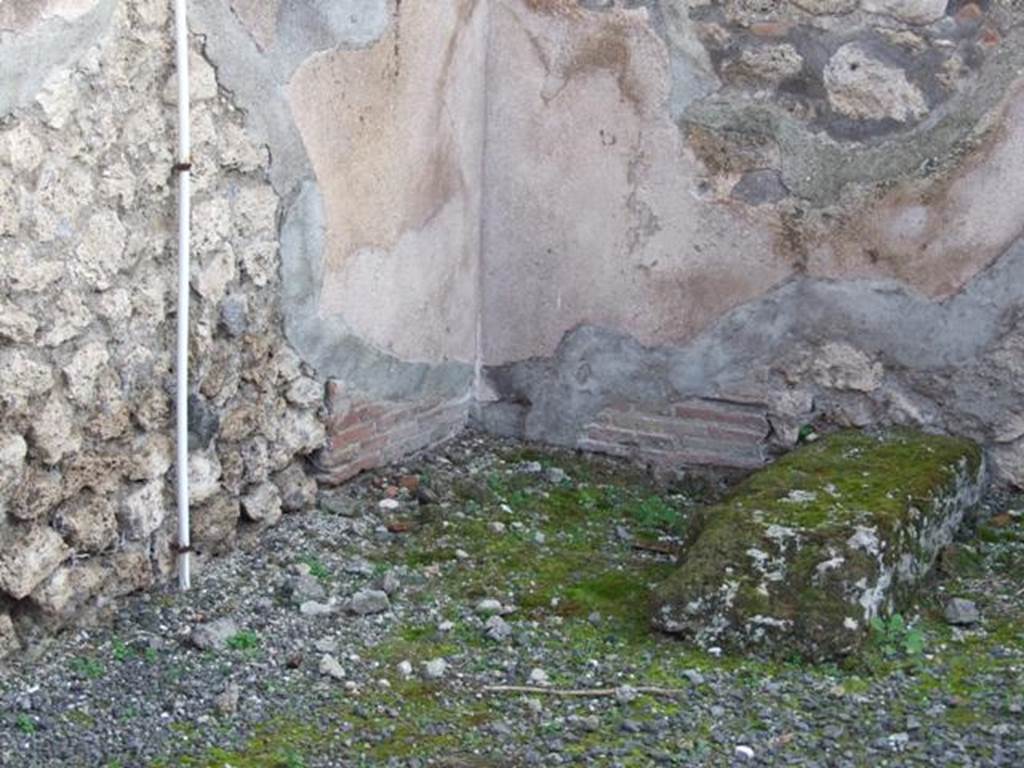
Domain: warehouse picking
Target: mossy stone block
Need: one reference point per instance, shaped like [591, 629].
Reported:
[805, 552]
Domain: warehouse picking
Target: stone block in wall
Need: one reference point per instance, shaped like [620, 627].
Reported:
[695, 432]
[67, 589]
[88, 523]
[28, 554]
[363, 434]
[12, 464]
[262, 504]
[297, 489]
[215, 523]
[142, 510]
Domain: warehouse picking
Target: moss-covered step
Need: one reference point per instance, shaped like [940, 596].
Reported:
[807, 551]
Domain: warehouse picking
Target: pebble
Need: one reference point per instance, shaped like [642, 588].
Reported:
[227, 700]
[496, 526]
[305, 587]
[497, 629]
[359, 566]
[539, 677]
[331, 667]
[369, 601]
[215, 635]
[695, 677]
[389, 583]
[556, 475]
[488, 606]
[389, 505]
[435, 669]
[313, 608]
[625, 694]
[960, 612]
[404, 668]
[745, 752]
[326, 645]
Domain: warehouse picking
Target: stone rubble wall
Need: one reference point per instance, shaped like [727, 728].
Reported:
[301, 115]
[87, 318]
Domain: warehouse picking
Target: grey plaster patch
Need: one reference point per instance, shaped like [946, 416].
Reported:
[934, 354]
[29, 58]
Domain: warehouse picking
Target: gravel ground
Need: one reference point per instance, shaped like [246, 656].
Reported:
[368, 631]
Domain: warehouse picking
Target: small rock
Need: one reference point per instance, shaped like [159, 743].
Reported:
[445, 626]
[435, 669]
[496, 526]
[226, 701]
[369, 601]
[590, 723]
[631, 726]
[425, 496]
[488, 606]
[556, 475]
[539, 537]
[389, 583]
[326, 645]
[539, 677]
[461, 554]
[330, 667]
[306, 587]
[313, 608]
[745, 752]
[497, 629]
[359, 566]
[405, 668]
[389, 505]
[534, 706]
[530, 468]
[625, 694]
[215, 635]
[695, 677]
[338, 505]
[594, 618]
[962, 612]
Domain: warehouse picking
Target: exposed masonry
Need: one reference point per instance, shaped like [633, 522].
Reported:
[364, 434]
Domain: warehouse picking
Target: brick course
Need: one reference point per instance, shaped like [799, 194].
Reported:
[693, 432]
[364, 434]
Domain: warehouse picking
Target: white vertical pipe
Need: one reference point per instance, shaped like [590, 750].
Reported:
[183, 168]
